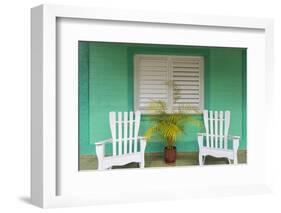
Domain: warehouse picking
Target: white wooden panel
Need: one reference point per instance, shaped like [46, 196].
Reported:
[187, 101]
[206, 123]
[153, 74]
[144, 62]
[157, 91]
[153, 95]
[216, 129]
[136, 132]
[221, 129]
[119, 133]
[192, 92]
[161, 86]
[153, 77]
[186, 78]
[185, 64]
[185, 71]
[131, 132]
[152, 82]
[226, 127]
[125, 133]
[187, 88]
[190, 83]
[153, 69]
[211, 128]
[191, 73]
[177, 105]
[112, 121]
[147, 101]
[189, 96]
[146, 72]
[185, 68]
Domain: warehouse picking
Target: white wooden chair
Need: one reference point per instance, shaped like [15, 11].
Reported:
[215, 141]
[127, 146]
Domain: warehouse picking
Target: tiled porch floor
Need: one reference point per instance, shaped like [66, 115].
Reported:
[89, 162]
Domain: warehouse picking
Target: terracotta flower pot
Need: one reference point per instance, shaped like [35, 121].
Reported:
[170, 155]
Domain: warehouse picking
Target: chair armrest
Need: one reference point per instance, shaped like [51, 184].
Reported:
[228, 137]
[103, 142]
[142, 138]
[234, 137]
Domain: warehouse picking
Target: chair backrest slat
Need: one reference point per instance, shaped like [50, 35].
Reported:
[221, 129]
[216, 126]
[131, 132]
[119, 133]
[137, 126]
[124, 132]
[206, 123]
[112, 121]
[211, 128]
[226, 127]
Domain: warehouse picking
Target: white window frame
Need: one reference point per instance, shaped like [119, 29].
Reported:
[170, 78]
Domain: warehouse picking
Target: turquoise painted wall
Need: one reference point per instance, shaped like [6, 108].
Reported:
[84, 145]
[106, 84]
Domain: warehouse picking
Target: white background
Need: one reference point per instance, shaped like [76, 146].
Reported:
[15, 104]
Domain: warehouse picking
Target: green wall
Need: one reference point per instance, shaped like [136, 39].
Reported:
[106, 84]
[84, 145]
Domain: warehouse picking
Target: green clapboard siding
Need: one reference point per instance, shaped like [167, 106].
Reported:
[106, 84]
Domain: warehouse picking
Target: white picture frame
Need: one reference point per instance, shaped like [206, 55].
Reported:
[49, 185]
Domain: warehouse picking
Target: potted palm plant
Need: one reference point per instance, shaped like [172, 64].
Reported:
[169, 126]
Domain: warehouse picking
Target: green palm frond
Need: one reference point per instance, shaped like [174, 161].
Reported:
[169, 125]
[151, 131]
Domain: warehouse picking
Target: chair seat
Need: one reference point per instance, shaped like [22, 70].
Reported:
[228, 153]
[120, 160]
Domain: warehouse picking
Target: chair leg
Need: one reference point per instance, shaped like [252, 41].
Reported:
[229, 161]
[235, 149]
[142, 146]
[141, 164]
[201, 160]
[100, 166]
[100, 156]
[235, 161]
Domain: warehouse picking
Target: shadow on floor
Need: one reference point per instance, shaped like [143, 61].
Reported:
[26, 200]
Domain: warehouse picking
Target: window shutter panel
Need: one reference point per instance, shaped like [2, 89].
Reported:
[151, 81]
[187, 79]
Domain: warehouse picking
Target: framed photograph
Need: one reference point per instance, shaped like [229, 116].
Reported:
[149, 106]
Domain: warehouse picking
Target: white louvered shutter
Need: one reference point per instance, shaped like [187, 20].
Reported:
[187, 76]
[151, 78]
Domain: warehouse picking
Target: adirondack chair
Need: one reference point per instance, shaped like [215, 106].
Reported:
[127, 146]
[215, 142]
